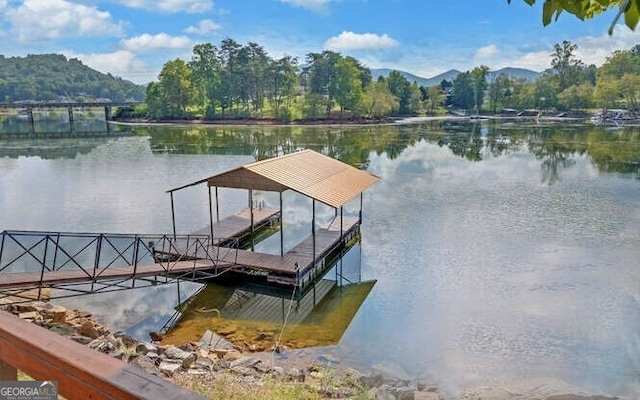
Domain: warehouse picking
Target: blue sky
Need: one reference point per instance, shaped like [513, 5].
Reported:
[134, 38]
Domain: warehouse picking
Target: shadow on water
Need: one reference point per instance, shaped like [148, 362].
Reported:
[255, 316]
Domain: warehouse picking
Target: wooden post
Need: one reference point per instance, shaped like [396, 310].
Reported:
[360, 214]
[8, 372]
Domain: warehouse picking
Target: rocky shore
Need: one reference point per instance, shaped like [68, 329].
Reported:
[213, 362]
[216, 368]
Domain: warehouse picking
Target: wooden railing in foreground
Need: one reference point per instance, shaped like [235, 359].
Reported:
[82, 373]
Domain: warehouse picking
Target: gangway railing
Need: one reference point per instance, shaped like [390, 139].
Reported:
[81, 263]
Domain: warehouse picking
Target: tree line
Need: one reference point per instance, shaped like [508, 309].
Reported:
[242, 81]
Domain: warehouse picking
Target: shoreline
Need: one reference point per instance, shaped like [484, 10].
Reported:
[216, 367]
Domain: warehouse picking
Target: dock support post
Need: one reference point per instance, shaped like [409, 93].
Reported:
[107, 118]
[341, 229]
[32, 121]
[72, 127]
[217, 207]
[173, 216]
[8, 372]
[251, 208]
[360, 213]
[281, 229]
[313, 233]
[211, 216]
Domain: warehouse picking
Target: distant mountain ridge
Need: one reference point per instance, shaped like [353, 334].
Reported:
[51, 77]
[451, 74]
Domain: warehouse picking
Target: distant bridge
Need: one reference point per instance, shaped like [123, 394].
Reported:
[28, 107]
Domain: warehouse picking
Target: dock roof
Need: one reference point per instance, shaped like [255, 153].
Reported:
[307, 172]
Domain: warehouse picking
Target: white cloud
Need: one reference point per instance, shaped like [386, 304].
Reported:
[313, 5]
[120, 63]
[37, 20]
[595, 49]
[203, 27]
[189, 6]
[487, 52]
[354, 41]
[3, 4]
[147, 42]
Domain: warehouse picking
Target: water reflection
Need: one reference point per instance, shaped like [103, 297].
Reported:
[485, 272]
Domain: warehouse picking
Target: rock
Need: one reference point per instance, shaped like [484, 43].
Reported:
[277, 370]
[153, 355]
[296, 375]
[145, 347]
[88, 329]
[211, 340]
[262, 368]
[371, 381]
[126, 339]
[145, 363]
[202, 353]
[64, 330]
[176, 353]
[24, 307]
[244, 362]
[203, 363]
[196, 372]
[169, 368]
[232, 355]
[29, 315]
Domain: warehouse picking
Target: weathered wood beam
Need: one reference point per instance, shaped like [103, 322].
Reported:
[82, 373]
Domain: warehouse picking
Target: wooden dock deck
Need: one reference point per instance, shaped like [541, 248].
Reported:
[238, 226]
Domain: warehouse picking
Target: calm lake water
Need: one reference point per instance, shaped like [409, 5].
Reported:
[502, 251]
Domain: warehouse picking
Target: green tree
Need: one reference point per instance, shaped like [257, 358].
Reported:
[606, 93]
[463, 94]
[321, 72]
[576, 97]
[346, 85]
[619, 63]
[479, 85]
[205, 68]
[435, 98]
[400, 87]
[378, 101]
[175, 88]
[281, 82]
[500, 89]
[565, 65]
[630, 90]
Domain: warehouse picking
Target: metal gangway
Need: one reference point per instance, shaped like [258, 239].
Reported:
[44, 265]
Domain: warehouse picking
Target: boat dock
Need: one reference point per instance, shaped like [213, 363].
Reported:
[81, 263]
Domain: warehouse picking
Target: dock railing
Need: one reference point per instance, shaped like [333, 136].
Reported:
[110, 261]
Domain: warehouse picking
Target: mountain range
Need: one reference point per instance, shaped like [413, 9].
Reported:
[451, 74]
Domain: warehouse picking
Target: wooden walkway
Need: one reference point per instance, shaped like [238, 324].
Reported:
[50, 278]
[291, 269]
